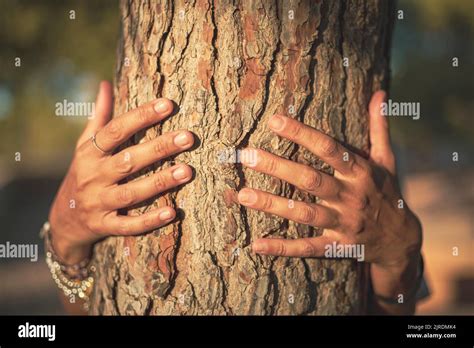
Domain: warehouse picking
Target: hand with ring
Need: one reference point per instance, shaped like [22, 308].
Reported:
[85, 208]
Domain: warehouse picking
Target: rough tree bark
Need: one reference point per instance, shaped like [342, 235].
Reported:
[229, 65]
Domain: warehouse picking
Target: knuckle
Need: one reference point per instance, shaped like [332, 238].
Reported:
[267, 203]
[328, 147]
[149, 222]
[307, 249]
[360, 202]
[365, 171]
[351, 163]
[271, 165]
[359, 226]
[336, 221]
[144, 114]
[295, 130]
[339, 194]
[356, 226]
[89, 225]
[85, 204]
[93, 225]
[103, 198]
[307, 214]
[377, 157]
[159, 182]
[122, 165]
[114, 130]
[312, 180]
[281, 249]
[161, 147]
[123, 227]
[125, 196]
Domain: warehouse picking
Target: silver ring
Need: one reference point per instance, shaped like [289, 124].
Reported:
[97, 146]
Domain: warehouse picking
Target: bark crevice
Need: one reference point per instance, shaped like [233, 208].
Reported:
[164, 37]
[344, 80]
[215, 57]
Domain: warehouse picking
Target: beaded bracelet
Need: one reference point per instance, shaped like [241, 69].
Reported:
[73, 280]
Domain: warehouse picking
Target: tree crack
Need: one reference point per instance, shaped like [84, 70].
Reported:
[273, 285]
[183, 51]
[312, 288]
[163, 38]
[342, 10]
[214, 260]
[215, 56]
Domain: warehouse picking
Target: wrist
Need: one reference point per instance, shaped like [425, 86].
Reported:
[68, 251]
[400, 279]
[69, 264]
[408, 252]
[400, 270]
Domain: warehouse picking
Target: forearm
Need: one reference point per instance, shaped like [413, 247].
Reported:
[398, 283]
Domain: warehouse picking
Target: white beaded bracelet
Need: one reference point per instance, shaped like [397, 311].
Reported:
[78, 285]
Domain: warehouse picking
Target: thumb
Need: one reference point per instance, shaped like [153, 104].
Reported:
[380, 147]
[102, 112]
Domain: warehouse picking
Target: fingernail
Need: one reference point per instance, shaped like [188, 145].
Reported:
[181, 140]
[161, 106]
[180, 174]
[165, 215]
[247, 196]
[276, 123]
[258, 247]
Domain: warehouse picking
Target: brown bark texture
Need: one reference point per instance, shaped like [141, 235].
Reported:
[229, 65]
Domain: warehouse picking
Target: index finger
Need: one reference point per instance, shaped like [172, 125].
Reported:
[322, 145]
[123, 127]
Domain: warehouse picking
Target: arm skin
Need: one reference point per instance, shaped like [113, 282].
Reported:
[359, 205]
[93, 180]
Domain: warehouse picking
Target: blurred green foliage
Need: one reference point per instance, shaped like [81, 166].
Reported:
[440, 14]
[426, 40]
[63, 58]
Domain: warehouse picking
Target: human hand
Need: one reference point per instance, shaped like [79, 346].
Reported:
[92, 181]
[360, 204]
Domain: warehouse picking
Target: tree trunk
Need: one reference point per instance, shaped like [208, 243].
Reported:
[229, 65]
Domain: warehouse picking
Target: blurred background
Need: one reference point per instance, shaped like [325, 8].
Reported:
[64, 58]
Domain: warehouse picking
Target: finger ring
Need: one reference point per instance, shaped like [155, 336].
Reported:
[97, 146]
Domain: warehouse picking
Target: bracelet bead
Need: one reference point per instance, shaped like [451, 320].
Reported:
[71, 279]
